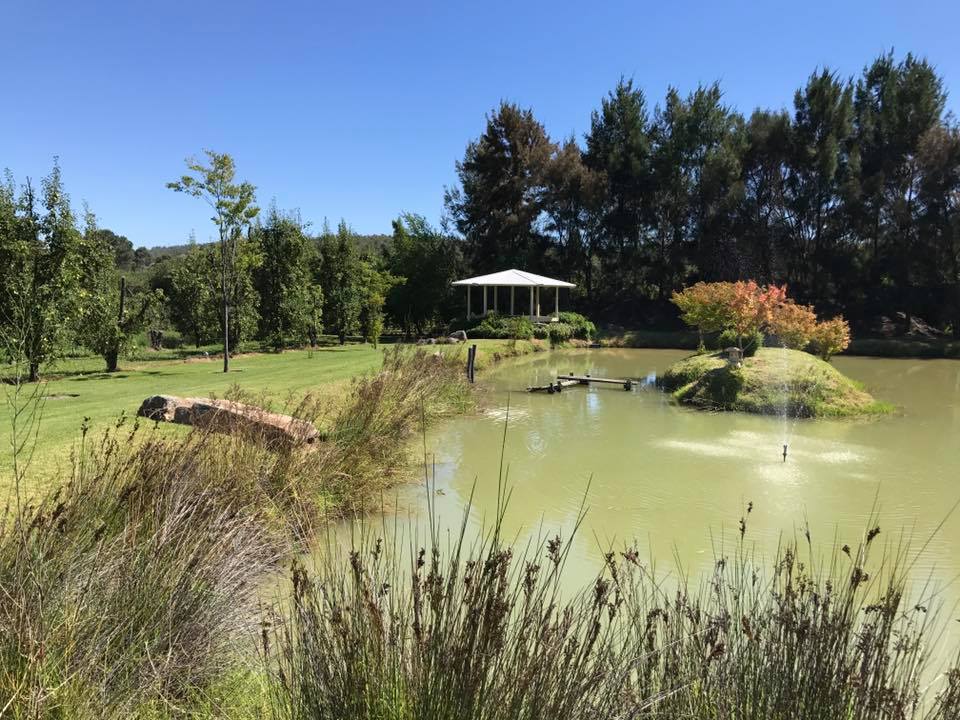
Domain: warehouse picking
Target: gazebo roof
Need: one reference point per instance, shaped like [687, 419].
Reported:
[514, 278]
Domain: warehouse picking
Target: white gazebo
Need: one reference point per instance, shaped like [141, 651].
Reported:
[514, 279]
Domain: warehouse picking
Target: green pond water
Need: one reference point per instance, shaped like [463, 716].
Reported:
[676, 481]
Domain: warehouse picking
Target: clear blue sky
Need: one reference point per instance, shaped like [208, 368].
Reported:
[359, 110]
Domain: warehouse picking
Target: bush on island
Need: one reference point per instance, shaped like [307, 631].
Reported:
[749, 344]
[744, 309]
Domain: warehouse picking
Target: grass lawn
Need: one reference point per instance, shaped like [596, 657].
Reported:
[77, 388]
[768, 382]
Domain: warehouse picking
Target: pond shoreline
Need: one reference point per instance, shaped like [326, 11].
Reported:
[898, 347]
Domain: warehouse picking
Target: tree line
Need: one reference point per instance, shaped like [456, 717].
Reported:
[852, 198]
[67, 283]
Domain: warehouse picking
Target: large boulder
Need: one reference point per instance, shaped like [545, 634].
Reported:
[459, 335]
[229, 417]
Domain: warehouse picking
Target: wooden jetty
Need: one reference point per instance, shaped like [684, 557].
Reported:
[553, 387]
[570, 380]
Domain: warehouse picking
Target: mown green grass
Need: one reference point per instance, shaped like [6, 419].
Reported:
[78, 388]
[768, 383]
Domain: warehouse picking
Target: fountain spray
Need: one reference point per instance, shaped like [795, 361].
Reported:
[784, 453]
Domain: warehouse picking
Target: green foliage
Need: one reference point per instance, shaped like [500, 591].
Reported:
[850, 199]
[111, 313]
[289, 302]
[40, 277]
[619, 150]
[194, 302]
[427, 261]
[502, 327]
[234, 207]
[341, 276]
[581, 327]
[500, 201]
[559, 333]
[751, 342]
[377, 284]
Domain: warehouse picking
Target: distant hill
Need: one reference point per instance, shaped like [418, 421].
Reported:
[371, 243]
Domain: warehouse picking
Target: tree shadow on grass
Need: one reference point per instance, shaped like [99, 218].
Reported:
[83, 377]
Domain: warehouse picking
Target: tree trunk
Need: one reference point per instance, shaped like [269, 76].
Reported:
[224, 296]
[34, 372]
[111, 359]
[343, 337]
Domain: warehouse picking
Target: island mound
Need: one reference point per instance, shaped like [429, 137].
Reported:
[772, 380]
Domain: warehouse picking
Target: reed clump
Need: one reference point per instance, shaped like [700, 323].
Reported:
[133, 583]
[134, 588]
[377, 631]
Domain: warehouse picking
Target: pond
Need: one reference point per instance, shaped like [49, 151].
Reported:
[676, 481]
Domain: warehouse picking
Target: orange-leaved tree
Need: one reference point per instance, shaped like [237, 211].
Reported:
[706, 306]
[746, 308]
[793, 324]
[830, 337]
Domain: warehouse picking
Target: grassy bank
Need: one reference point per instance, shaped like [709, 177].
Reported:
[133, 589]
[768, 383]
[77, 388]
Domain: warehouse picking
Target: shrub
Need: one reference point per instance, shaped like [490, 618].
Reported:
[559, 333]
[706, 306]
[500, 327]
[746, 308]
[581, 327]
[793, 324]
[751, 341]
[830, 337]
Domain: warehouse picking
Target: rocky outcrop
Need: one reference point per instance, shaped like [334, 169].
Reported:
[229, 417]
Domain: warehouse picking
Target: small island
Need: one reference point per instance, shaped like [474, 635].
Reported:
[777, 362]
[774, 381]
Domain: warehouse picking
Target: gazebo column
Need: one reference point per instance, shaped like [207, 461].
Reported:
[538, 301]
[484, 299]
[496, 291]
[531, 301]
[512, 288]
[556, 302]
[469, 314]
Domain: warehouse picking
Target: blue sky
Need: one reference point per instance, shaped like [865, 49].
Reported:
[359, 110]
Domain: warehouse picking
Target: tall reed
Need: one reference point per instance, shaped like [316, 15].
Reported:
[478, 630]
[134, 582]
[134, 587]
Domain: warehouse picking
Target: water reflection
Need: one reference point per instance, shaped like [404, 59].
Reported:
[675, 481]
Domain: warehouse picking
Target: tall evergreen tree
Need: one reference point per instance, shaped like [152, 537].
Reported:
[342, 281]
[427, 260]
[499, 205]
[819, 237]
[618, 149]
[283, 279]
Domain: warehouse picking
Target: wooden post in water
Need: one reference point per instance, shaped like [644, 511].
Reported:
[471, 361]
